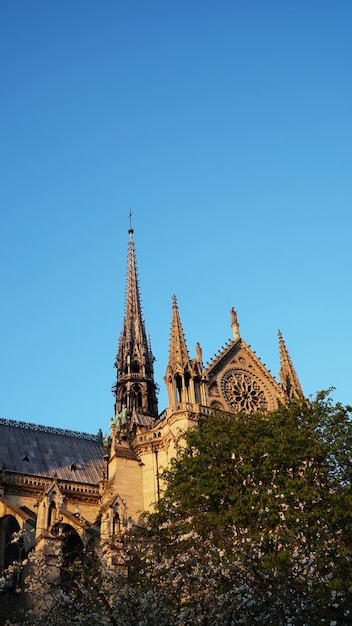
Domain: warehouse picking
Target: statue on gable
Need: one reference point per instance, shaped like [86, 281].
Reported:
[123, 415]
[235, 325]
[199, 353]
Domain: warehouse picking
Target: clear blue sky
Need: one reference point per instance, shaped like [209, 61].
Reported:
[227, 126]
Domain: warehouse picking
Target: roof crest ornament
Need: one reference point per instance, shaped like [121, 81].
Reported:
[234, 324]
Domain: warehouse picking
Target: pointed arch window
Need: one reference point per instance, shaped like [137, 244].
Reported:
[197, 390]
[115, 524]
[178, 380]
[72, 554]
[123, 398]
[10, 550]
[51, 514]
[136, 397]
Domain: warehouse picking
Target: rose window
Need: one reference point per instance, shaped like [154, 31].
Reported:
[242, 392]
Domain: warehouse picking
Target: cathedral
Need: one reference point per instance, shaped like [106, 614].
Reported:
[58, 485]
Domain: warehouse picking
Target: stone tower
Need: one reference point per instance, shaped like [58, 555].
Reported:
[130, 485]
[135, 388]
[183, 375]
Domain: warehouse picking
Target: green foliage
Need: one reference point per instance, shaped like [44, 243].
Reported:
[274, 491]
[254, 527]
[235, 468]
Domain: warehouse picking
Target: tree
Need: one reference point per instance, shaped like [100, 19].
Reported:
[91, 590]
[261, 505]
[253, 527]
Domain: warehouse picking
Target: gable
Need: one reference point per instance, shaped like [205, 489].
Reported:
[238, 381]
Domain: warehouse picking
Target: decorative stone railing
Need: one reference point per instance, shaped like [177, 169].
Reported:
[38, 482]
[197, 409]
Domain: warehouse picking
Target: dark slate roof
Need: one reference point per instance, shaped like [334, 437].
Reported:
[124, 451]
[45, 451]
[142, 420]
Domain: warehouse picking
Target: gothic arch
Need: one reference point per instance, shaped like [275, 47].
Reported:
[7, 509]
[10, 551]
[136, 397]
[72, 553]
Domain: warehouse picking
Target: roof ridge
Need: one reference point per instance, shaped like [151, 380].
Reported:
[47, 429]
[229, 343]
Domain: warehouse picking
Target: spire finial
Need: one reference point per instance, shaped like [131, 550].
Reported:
[130, 230]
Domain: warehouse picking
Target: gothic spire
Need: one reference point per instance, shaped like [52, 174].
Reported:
[178, 354]
[133, 326]
[135, 387]
[288, 377]
[183, 375]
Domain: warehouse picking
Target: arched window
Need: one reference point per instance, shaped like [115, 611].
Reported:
[187, 379]
[135, 367]
[136, 397]
[123, 397]
[197, 390]
[178, 388]
[72, 554]
[10, 550]
[51, 514]
[116, 525]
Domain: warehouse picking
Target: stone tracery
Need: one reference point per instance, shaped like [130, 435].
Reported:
[242, 392]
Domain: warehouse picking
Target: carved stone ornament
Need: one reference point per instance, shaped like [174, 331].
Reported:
[214, 391]
[242, 392]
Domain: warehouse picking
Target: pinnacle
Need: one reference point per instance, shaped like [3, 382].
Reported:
[178, 348]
